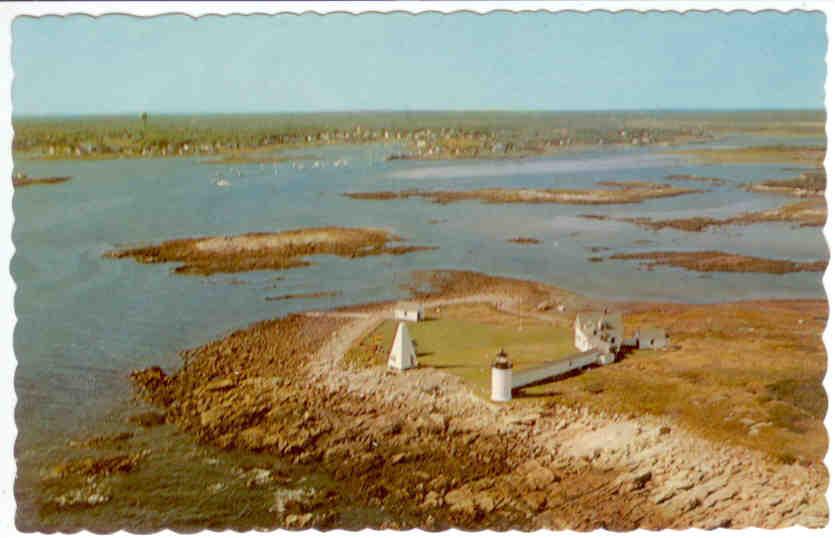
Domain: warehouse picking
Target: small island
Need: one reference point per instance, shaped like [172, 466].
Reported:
[807, 213]
[623, 193]
[266, 250]
[724, 262]
[23, 180]
[525, 240]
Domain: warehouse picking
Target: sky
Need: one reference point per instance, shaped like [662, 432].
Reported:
[78, 65]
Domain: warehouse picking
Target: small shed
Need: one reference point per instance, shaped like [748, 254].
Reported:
[652, 338]
[409, 312]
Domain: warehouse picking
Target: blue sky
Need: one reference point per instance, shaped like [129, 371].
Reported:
[531, 61]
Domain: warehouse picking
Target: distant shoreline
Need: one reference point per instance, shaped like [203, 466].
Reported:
[423, 135]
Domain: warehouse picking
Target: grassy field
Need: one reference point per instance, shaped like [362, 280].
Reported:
[467, 347]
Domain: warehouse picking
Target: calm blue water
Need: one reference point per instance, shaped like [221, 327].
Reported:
[85, 321]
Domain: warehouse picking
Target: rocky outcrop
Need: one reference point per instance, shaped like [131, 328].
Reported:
[419, 445]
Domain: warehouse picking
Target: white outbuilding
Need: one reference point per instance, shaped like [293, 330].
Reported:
[651, 338]
[408, 312]
[402, 355]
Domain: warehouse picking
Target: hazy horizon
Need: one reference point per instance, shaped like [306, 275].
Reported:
[125, 114]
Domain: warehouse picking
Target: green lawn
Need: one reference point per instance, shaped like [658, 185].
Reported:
[467, 348]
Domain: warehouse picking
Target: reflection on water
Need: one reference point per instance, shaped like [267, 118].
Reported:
[85, 321]
[588, 162]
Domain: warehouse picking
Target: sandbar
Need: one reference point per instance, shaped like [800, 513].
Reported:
[525, 240]
[25, 181]
[716, 261]
[623, 193]
[807, 213]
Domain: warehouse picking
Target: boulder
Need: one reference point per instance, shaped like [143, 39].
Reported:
[704, 490]
[220, 384]
[536, 476]
[461, 500]
[86, 497]
[535, 500]
[291, 499]
[147, 419]
[544, 306]
[213, 416]
[258, 478]
[298, 521]
[636, 481]
[439, 483]
[436, 423]
[720, 522]
[433, 500]
[251, 438]
[485, 502]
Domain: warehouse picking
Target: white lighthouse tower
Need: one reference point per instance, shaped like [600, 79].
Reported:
[402, 356]
[502, 378]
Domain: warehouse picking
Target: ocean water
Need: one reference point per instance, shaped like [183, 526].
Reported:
[84, 321]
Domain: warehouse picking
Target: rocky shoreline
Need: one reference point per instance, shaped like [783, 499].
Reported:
[423, 449]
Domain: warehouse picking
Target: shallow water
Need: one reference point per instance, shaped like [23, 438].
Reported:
[85, 321]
